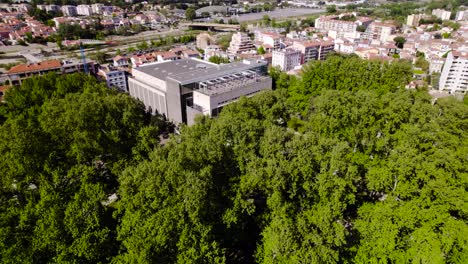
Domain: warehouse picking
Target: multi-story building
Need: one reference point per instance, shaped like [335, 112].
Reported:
[380, 31]
[69, 10]
[114, 78]
[286, 59]
[414, 19]
[204, 39]
[240, 43]
[21, 72]
[52, 8]
[84, 10]
[435, 63]
[442, 14]
[341, 24]
[454, 77]
[97, 8]
[184, 88]
[461, 15]
[314, 50]
[271, 40]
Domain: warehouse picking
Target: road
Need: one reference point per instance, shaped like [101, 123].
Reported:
[280, 14]
[276, 14]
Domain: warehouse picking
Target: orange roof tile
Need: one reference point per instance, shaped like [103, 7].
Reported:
[45, 65]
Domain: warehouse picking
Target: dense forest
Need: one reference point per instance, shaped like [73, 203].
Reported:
[339, 165]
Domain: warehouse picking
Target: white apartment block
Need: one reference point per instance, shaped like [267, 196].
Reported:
[435, 63]
[461, 15]
[286, 59]
[240, 43]
[52, 8]
[442, 14]
[69, 10]
[380, 31]
[97, 8]
[341, 27]
[84, 10]
[114, 79]
[271, 40]
[454, 77]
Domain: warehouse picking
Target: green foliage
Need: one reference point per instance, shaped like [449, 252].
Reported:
[331, 9]
[261, 50]
[349, 74]
[190, 14]
[399, 41]
[64, 140]
[218, 59]
[367, 172]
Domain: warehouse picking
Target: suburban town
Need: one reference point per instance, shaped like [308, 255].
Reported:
[240, 132]
[96, 38]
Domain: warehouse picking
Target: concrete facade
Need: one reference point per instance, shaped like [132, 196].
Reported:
[454, 77]
[181, 89]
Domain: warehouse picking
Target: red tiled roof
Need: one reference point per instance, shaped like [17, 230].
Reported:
[45, 65]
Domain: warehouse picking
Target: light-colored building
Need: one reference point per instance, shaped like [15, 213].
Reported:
[461, 15]
[120, 61]
[182, 89]
[341, 24]
[69, 10]
[380, 31]
[270, 40]
[97, 8]
[52, 8]
[204, 40]
[414, 19]
[286, 59]
[454, 77]
[84, 10]
[240, 43]
[442, 14]
[435, 63]
[21, 72]
[314, 50]
[114, 78]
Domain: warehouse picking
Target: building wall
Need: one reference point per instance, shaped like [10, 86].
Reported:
[153, 99]
[454, 77]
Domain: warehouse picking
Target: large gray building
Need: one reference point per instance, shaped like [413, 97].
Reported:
[184, 88]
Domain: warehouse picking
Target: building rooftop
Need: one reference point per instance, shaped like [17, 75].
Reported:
[45, 65]
[187, 71]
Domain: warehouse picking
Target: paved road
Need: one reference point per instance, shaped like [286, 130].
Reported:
[276, 14]
[280, 14]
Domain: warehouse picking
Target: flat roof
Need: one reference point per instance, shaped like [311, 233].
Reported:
[216, 71]
[190, 70]
[162, 70]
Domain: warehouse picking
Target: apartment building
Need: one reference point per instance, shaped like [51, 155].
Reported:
[84, 10]
[461, 15]
[414, 19]
[270, 40]
[21, 72]
[380, 31]
[341, 24]
[114, 78]
[454, 77]
[314, 50]
[182, 89]
[52, 8]
[97, 8]
[442, 14]
[69, 10]
[286, 59]
[240, 43]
